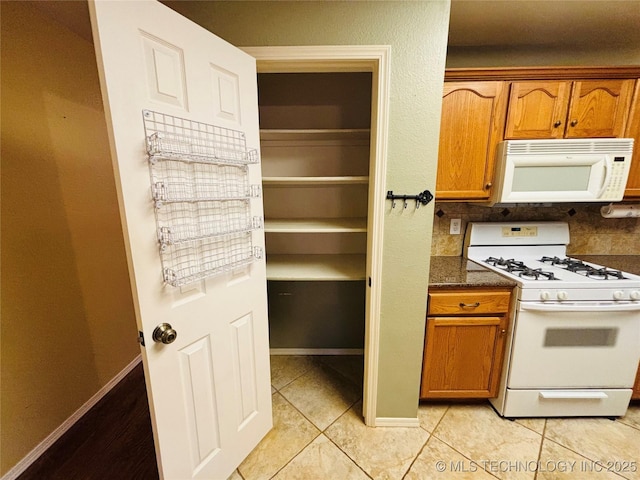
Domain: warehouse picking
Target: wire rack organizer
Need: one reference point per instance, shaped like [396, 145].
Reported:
[200, 186]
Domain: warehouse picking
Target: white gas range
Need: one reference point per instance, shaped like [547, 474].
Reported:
[574, 344]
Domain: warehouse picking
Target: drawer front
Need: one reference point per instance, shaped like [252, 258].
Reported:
[566, 403]
[471, 302]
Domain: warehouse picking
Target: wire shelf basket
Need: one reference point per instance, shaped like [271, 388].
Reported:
[185, 222]
[180, 139]
[174, 181]
[187, 263]
[202, 197]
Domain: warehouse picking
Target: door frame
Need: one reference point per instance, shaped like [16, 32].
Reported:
[354, 58]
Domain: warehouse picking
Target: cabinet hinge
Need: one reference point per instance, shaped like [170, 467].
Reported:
[369, 281]
[141, 338]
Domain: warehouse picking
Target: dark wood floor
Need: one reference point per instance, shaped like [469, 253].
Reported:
[112, 441]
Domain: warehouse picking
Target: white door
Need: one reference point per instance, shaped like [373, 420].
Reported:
[209, 391]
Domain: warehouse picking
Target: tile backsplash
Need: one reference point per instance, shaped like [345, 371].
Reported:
[590, 233]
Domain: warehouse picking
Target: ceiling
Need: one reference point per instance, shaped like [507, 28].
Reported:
[569, 23]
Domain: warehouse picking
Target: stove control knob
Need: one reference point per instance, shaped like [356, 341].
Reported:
[618, 295]
[544, 295]
[562, 295]
[635, 295]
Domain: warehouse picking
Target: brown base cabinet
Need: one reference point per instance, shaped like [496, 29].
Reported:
[636, 387]
[465, 343]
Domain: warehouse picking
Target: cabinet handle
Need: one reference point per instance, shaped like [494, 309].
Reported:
[488, 186]
[469, 305]
[557, 124]
[574, 123]
[503, 332]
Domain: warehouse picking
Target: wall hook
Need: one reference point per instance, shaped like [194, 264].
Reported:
[421, 198]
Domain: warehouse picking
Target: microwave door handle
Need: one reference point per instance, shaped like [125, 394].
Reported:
[607, 175]
[575, 307]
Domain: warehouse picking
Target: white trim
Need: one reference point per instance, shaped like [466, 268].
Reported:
[397, 422]
[20, 467]
[316, 351]
[377, 196]
[354, 58]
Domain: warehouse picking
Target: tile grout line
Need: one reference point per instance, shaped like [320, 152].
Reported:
[542, 439]
[338, 446]
[316, 362]
[305, 446]
[418, 454]
[582, 455]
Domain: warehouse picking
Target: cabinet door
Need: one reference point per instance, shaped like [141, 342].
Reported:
[599, 108]
[636, 387]
[463, 357]
[633, 131]
[472, 119]
[537, 110]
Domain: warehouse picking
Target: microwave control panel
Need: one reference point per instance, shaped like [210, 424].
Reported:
[617, 180]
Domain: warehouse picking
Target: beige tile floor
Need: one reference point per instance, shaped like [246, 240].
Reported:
[319, 434]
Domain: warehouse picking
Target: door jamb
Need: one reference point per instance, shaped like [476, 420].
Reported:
[354, 58]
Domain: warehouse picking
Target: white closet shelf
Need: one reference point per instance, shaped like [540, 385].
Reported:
[314, 181]
[316, 267]
[315, 134]
[315, 225]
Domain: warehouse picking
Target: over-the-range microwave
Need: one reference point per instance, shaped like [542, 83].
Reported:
[552, 171]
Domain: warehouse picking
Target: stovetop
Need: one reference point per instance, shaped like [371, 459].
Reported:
[534, 255]
[545, 268]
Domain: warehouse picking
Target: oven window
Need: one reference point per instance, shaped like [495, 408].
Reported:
[551, 179]
[580, 337]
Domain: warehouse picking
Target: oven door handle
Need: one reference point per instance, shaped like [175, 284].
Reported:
[557, 395]
[575, 307]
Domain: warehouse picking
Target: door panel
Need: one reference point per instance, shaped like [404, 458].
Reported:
[209, 391]
[599, 108]
[472, 118]
[165, 71]
[537, 109]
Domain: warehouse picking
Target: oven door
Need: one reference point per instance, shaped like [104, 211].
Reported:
[575, 345]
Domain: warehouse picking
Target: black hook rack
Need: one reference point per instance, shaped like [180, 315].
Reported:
[421, 198]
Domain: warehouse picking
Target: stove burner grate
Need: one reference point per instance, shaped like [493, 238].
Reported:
[581, 268]
[519, 268]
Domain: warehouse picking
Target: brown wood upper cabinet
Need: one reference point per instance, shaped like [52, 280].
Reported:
[472, 121]
[564, 109]
[633, 131]
[483, 106]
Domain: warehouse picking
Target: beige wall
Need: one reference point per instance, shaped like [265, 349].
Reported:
[533, 56]
[417, 33]
[68, 325]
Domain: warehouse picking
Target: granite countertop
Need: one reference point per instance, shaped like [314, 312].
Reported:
[460, 272]
[628, 263]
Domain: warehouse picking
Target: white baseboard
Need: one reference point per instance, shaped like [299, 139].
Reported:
[397, 422]
[314, 351]
[42, 447]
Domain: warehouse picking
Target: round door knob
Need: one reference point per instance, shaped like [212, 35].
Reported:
[574, 123]
[562, 295]
[164, 333]
[635, 295]
[488, 186]
[557, 124]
